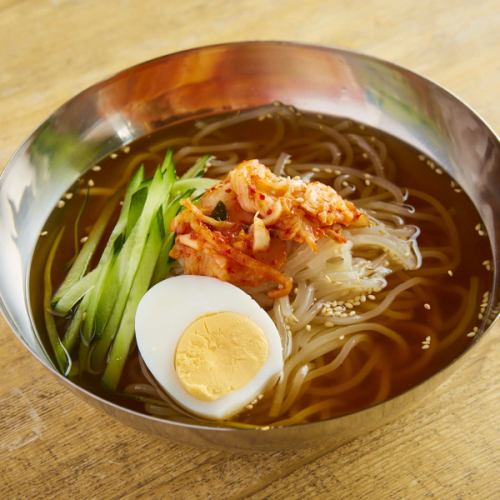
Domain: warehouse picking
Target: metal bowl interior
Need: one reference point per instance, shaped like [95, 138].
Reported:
[221, 78]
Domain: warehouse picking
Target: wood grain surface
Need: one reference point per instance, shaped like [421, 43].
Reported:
[53, 445]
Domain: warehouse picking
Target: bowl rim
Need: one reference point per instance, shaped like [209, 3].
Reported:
[221, 428]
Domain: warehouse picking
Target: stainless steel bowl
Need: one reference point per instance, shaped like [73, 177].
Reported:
[229, 77]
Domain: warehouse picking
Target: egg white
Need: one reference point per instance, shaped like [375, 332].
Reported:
[169, 307]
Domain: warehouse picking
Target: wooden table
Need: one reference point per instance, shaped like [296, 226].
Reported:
[51, 444]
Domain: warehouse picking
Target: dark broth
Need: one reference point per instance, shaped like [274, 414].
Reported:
[413, 171]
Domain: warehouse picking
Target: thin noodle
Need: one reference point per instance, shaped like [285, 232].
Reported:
[332, 359]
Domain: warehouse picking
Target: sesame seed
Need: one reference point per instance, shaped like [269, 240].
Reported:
[371, 297]
[308, 328]
[367, 182]
[425, 346]
[315, 170]
[265, 428]
[328, 324]
[328, 170]
[68, 196]
[439, 171]
[428, 338]
[427, 306]
[91, 183]
[342, 337]
[344, 183]
[481, 233]
[97, 168]
[471, 334]
[44, 233]
[84, 239]
[480, 316]
[421, 157]
[450, 272]
[352, 313]
[337, 172]
[60, 204]
[457, 190]
[327, 278]
[475, 329]
[113, 156]
[126, 149]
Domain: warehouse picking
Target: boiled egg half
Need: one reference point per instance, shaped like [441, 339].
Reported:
[209, 345]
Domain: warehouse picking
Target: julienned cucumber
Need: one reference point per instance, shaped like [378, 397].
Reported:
[103, 301]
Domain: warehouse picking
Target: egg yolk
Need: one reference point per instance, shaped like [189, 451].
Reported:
[219, 353]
